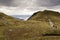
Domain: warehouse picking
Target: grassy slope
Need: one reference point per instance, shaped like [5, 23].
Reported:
[13, 29]
[41, 16]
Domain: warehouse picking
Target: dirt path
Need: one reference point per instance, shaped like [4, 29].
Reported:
[52, 24]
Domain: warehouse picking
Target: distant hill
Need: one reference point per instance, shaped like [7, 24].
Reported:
[24, 17]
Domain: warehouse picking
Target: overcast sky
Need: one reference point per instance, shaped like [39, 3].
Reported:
[28, 7]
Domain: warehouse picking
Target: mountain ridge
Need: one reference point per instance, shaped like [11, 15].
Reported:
[44, 13]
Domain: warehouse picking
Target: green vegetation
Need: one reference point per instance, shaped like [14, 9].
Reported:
[33, 29]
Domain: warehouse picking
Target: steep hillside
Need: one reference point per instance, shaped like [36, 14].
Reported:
[47, 15]
[44, 15]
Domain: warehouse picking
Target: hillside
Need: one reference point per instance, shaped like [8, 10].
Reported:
[47, 15]
[44, 15]
[5, 19]
[35, 28]
[7, 22]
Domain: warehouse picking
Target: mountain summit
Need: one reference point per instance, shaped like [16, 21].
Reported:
[44, 15]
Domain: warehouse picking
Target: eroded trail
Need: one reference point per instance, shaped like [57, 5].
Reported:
[52, 24]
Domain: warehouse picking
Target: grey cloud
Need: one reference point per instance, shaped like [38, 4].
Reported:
[24, 3]
[5, 2]
[55, 2]
[47, 3]
[30, 4]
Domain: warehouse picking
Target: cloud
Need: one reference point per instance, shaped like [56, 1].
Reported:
[15, 11]
[5, 2]
[25, 3]
[47, 3]
[28, 6]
